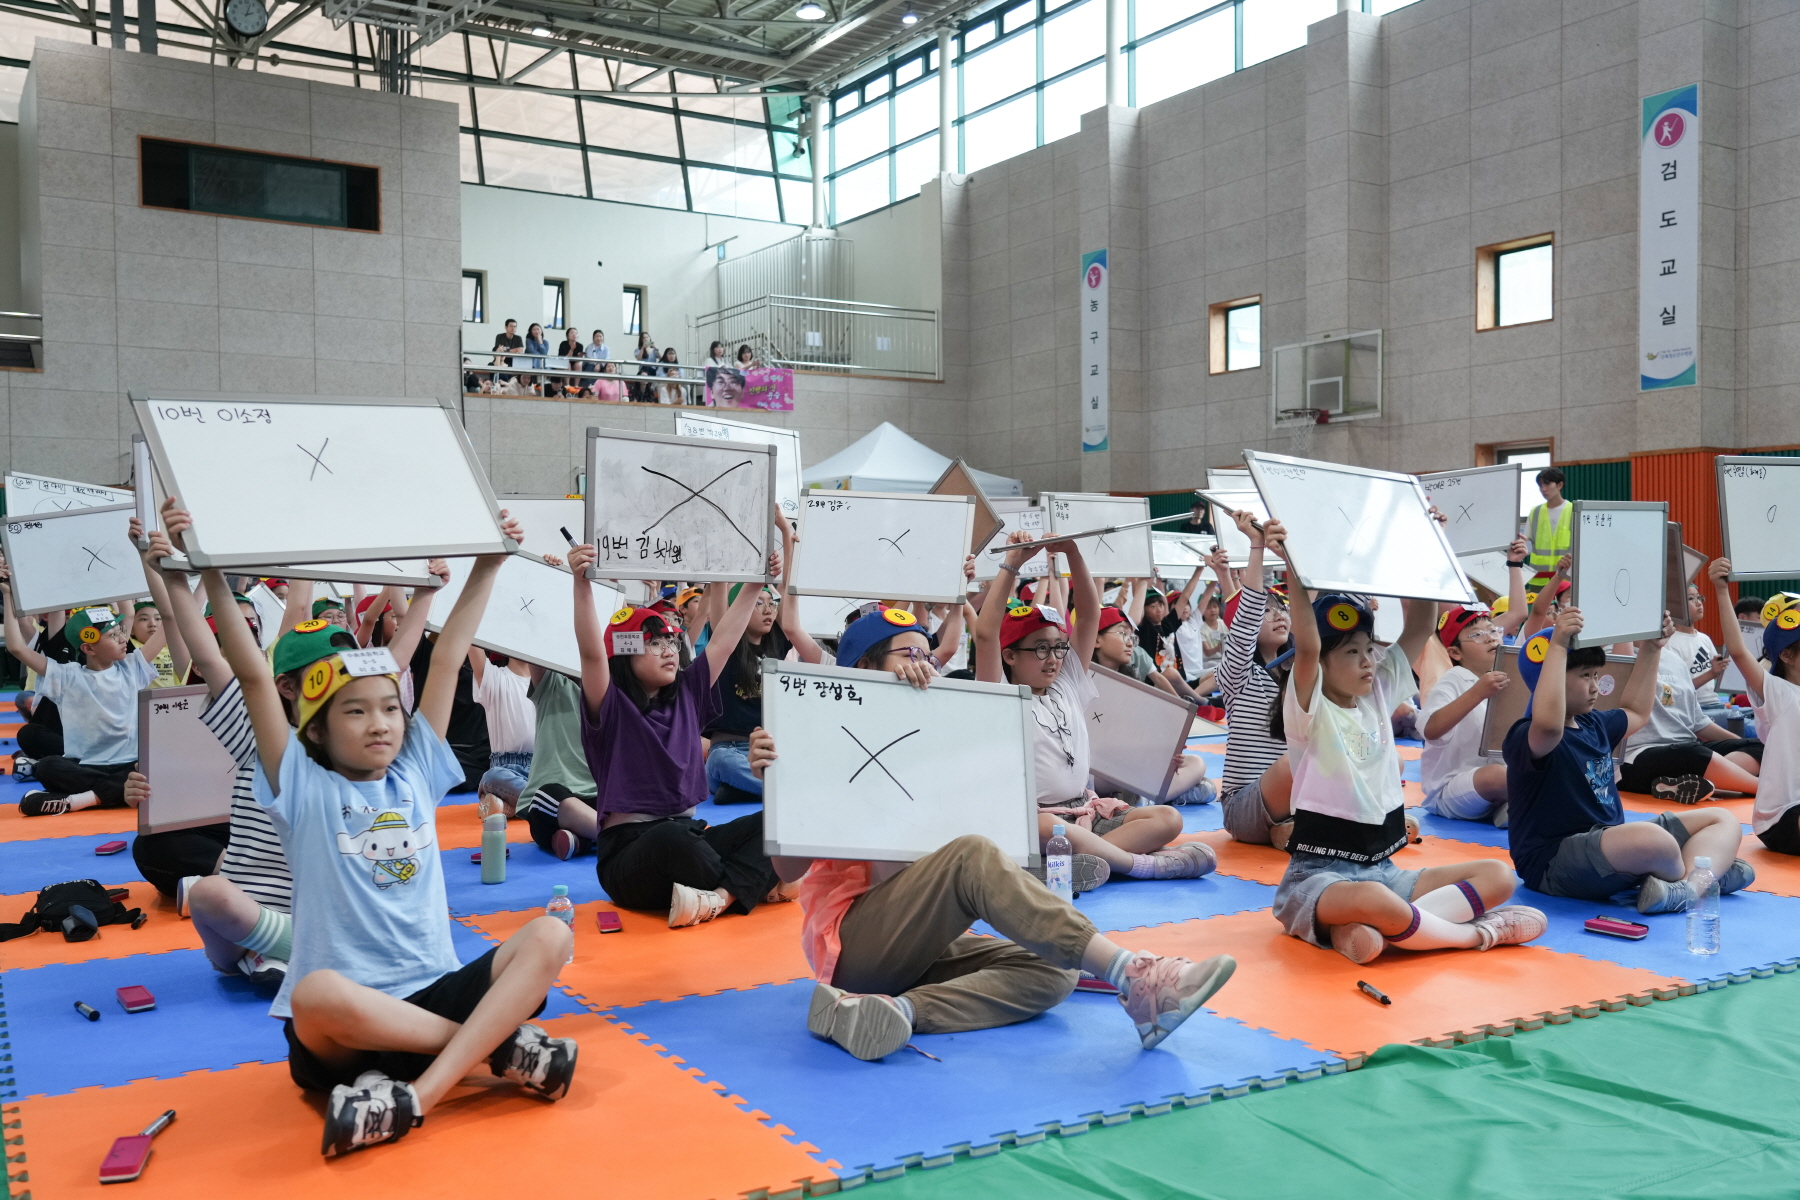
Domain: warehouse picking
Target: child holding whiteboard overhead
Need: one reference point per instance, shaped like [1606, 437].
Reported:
[641, 718]
[1459, 783]
[1341, 888]
[1256, 781]
[1774, 691]
[1031, 645]
[378, 1010]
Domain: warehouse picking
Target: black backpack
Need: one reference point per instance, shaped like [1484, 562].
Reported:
[54, 903]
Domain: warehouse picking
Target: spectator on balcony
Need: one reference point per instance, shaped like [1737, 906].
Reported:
[535, 344]
[572, 357]
[598, 351]
[670, 393]
[715, 356]
[606, 385]
[646, 355]
[510, 340]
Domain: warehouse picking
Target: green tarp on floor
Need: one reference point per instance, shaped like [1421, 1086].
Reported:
[1689, 1098]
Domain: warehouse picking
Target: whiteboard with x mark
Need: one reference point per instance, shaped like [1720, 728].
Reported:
[661, 507]
[1122, 555]
[530, 613]
[282, 480]
[883, 546]
[873, 768]
[67, 559]
[1480, 506]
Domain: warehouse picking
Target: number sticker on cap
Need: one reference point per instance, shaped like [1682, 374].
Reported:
[898, 616]
[1342, 617]
[312, 626]
[622, 616]
[90, 635]
[1789, 619]
[1537, 649]
[317, 680]
[1019, 610]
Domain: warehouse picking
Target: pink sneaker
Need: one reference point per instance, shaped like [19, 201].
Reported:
[1160, 993]
[1190, 860]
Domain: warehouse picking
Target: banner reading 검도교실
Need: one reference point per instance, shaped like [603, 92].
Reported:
[1669, 241]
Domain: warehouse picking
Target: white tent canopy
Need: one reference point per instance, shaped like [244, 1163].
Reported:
[889, 460]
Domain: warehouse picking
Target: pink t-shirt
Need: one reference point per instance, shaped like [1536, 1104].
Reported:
[827, 891]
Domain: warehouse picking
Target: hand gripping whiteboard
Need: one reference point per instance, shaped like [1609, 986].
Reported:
[1506, 707]
[1135, 732]
[1759, 515]
[883, 546]
[1023, 520]
[661, 507]
[280, 480]
[1352, 529]
[788, 486]
[190, 773]
[69, 558]
[1122, 555]
[1618, 579]
[1481, 505]
[42, 494]
[873, 768]
[530, 613]
[1223, 504]
[544, 518]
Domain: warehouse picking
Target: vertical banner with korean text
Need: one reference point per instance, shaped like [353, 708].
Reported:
[1669, 241]
[1093, 351]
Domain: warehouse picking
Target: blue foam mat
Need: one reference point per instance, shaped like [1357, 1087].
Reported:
[1755, 928]
[1134, 903]
[1079, 1058]
[30, 865]
[530, 876]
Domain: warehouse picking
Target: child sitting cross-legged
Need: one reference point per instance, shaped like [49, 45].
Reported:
[1567, 830]
[1459, 783]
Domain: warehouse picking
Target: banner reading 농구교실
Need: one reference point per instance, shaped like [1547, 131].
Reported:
[1094, 374]
[1669, 241]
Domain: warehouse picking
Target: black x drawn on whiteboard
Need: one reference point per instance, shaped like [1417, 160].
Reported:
[875, 757]
[96, 559]
[318, 459]
[526, 603]
[1465, 514]
[895, 542]
[696, 494]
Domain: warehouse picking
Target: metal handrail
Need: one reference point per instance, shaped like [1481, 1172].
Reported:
[484, 365]
[843, 336]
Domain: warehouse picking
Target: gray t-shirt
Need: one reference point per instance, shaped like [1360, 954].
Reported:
[1675, 714]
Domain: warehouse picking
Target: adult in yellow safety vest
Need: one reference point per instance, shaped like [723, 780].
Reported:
[1549, 527]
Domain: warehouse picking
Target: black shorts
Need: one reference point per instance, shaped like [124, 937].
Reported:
[1680, 758]
[1783, 837]
[452, 997]
[545, 824]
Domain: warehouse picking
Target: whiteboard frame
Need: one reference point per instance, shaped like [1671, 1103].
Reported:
[1193, 711]
[1517, 472]
[1256, 460]
[556, 534]
[143, 487]
[322, 573]
[1720, 462]
[26, 480]
[196, 551]
[22, 596]
[1506, 660]
[146, 765]
[782, 435]
[796, 588]
[772, 844]
[1583, 640]
[1047, 501]
[667, 571]
[435, 623]
[958, 479]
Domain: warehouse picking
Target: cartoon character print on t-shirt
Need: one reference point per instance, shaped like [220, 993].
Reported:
[1665, 695]
[1360, 746]
[1600, 777]
[391, 846]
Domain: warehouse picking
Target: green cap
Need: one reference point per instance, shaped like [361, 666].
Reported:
[141, 605]
[98, 619]
[320, 606]
[238, 596]
[308, 642]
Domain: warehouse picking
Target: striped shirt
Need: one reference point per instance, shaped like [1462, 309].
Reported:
[1250, 693]
[254, 859]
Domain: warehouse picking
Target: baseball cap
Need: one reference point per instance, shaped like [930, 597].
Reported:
[326, 603]
[689, 594]
[1784, 630]
[141, 605]
[307, 643]
[871, 628]
[89, 625]
[1022, 620]
[1110, 616]
[630, 629]
[1531, 659]
[1452, 621]
[1342, 613]
[328, 676]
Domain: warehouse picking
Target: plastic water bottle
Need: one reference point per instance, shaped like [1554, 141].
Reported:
[493, 848]
[562, 908]
[1059, 875]
[1703, 911]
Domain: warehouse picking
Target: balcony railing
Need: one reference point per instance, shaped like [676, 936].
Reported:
[841, 336]
[24, 351]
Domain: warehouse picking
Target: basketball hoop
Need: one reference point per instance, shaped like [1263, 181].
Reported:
[1302, 422]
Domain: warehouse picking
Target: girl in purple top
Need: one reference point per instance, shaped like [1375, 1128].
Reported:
[641, 718]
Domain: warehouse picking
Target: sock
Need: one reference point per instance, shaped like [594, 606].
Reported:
[1142, 867]
[1115, 971]
[81, 800]
[265, 934]
[1429, 931]
[906, 1006]
[1456, 902]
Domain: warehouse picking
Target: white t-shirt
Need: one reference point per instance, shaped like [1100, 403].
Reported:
[1062, 741]
[99, 708]
[1199, 644]
[1460, 749]
[1695, 651]
[1675, 715]
[1778, 724]
[1343, 759]
[511, 720]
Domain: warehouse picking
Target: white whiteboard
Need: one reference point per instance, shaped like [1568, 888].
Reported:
[883, 546]
[1022, 520]
[544, 518]
[190, 773]
[1180, 553]
[42, 494]
[787, 451]
[530, 613]
[662, 507]
[305, 479]
[1489, 569]
[270, 610]
[1135, 732]
[823, 616]
[1351, 529]
[1619, 579]
[402, 572]
[1390, 619]
[1224, 503]
[74, 557]
[1481, 505]
[1124, 555]
[1759, 515]
[873, 768]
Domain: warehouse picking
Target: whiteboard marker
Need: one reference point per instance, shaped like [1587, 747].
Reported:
[569, 537]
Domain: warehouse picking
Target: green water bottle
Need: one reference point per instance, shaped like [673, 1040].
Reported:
[493, 848]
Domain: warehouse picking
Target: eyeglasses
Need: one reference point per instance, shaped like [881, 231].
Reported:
[1048, 650]
[911, 652]
[1483, 635]
[665, 643]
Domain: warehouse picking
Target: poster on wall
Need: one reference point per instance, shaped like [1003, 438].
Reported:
[768, 388]
[1669, 241]
[1093, 351]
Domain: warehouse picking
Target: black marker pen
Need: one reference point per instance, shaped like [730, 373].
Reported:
[1372, 990]
[567, 536]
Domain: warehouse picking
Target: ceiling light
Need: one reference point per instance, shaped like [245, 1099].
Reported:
[909, 17]
[539, 31]
[810, 11]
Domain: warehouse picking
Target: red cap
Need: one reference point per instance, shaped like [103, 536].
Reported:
[1110, 616]
[637, 624]
[1024, 619]
[362, 605]
[1453, 621]
[1026, 592]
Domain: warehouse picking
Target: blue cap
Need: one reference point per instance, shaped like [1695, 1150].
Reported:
[1781, 632]
[1531, 659]
[865, 631]
[1342, 613]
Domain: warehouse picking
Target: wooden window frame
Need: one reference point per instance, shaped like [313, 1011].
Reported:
[1487, 281]
[1215, 328]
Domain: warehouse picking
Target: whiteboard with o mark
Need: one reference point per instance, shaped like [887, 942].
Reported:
[1123, 555]
[883, 546]
[873, 768]
[1353, 529]
[530, 613]
[274, 480]
[1480, 506]
[1759, 515]
[70, 558]
[1619, 576]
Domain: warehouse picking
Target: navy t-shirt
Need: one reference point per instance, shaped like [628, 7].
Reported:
[1568, 791]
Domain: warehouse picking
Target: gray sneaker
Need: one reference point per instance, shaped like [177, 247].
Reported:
[1740, 875]
[1086, 872]
[869, 1027]
[372, 1110]
[1660, 896]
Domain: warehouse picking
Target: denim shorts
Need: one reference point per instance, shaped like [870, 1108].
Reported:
[1246, 816]
[1307, 877]
[507, 775]
[1580, 871]
[729, 762]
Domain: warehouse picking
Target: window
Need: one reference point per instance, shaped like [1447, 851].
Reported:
[1236, 335]
[1531, 460]
[267, 187]
[1515, 282]
[556, 303]
[633, 315]
[474, 298]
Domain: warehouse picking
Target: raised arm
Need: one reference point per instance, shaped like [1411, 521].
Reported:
[787, 611]
[1220, 562]
[1549, 701]
[267, 716]
[1132, 602]
[454, 640]
[1421, 621]
[1719, 571]
[1639, 692]
[1084, 601]
[730, 630]
[299, 604]
[988, 667]
[1302, 622]
[590, 638]
[167, 634]
[412, 625]
[1540, 608]
[1515, 613]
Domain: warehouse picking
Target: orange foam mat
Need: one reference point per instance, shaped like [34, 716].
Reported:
[16, 827]
[646, 960]
[1409, 753]
[1265, 864]
[1298, 990]
[635, 1126]
[165, 930]
[459, 828]
[1777, 873]
[1638, 802]
[11, 730]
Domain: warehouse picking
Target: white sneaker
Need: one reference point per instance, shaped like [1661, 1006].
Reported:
[268, 972]
[691, 906]
[537, 1062]
[182, 887]
[373, 1110]
[1509, 925]
[1358, 943]
[869, 1027]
